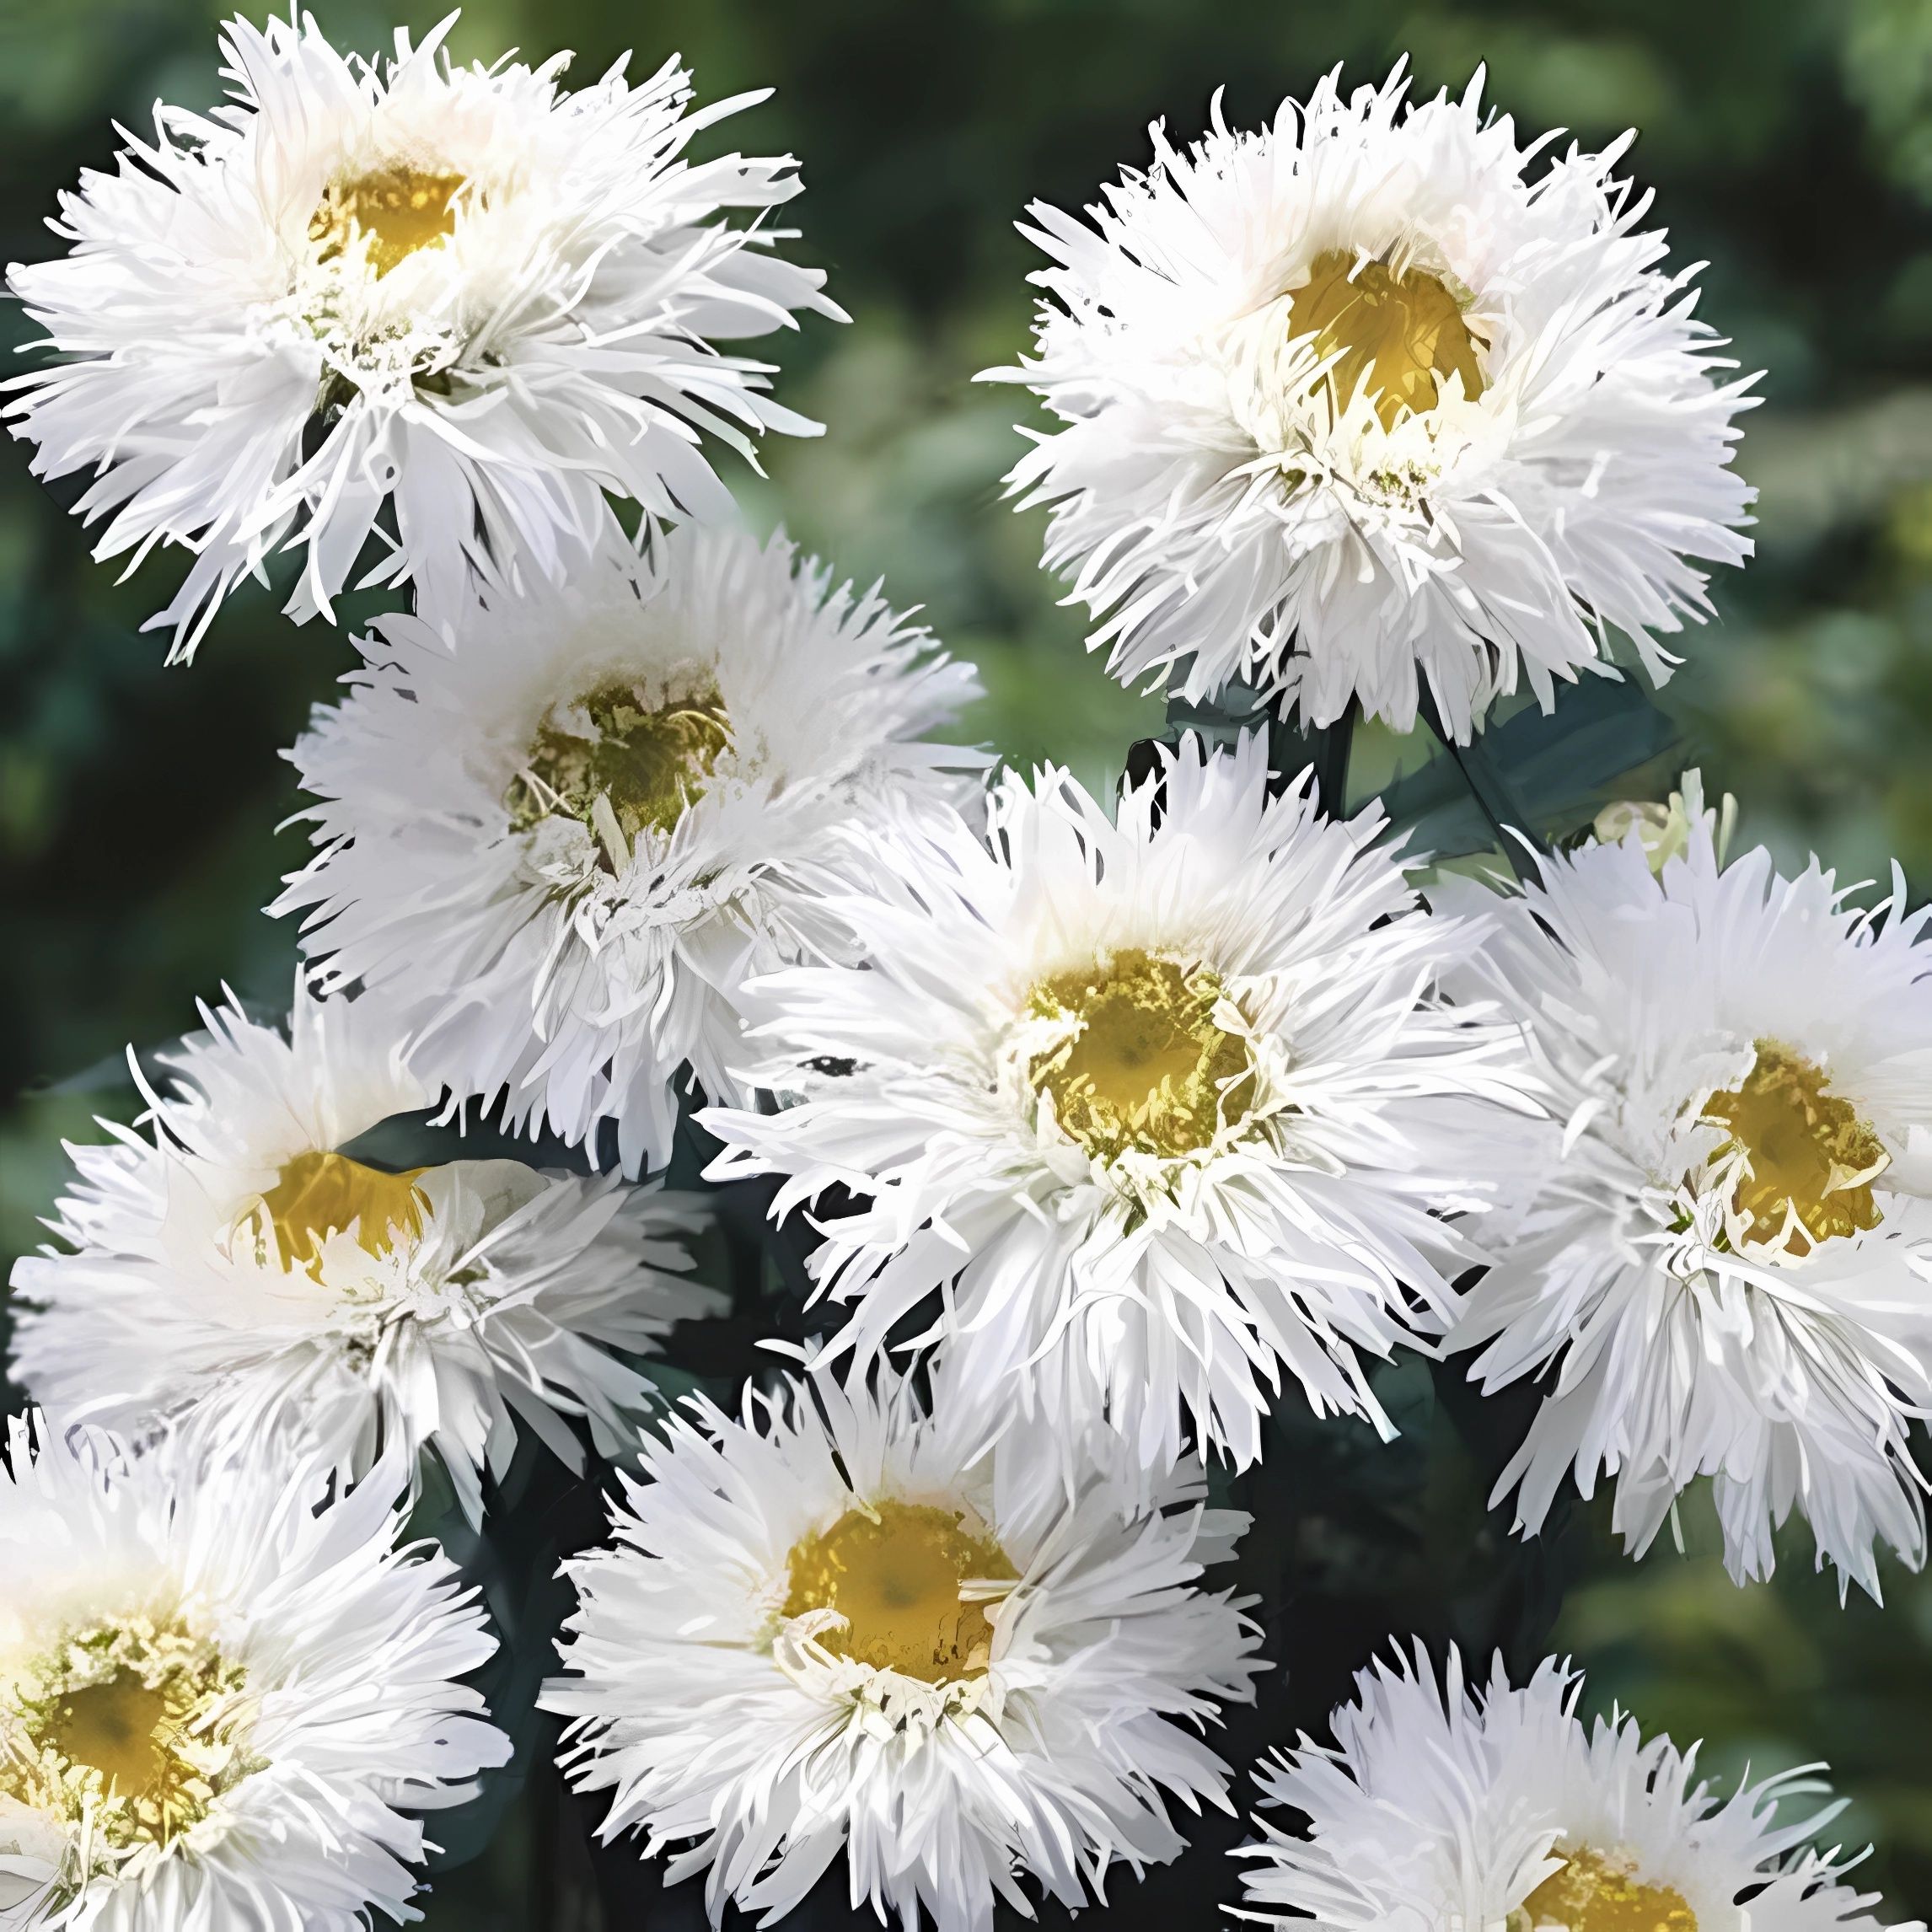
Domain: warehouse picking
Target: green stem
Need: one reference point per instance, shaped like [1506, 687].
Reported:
[1329, 746]
[1291, 749]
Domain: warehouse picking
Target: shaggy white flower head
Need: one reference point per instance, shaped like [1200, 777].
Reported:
[1164, 1104]
[1357, 400]
[830, 1624]
[567, 846]
[450, 307]
[1438, 1808]
[1722, 1259]
[218, 1697]
[238, 1273]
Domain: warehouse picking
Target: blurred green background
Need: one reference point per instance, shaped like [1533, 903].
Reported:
[1791, 145]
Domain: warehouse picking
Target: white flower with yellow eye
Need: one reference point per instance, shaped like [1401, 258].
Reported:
[224, 1689]
[1439, 1807]
[1159, 1104]
[448, 309]
[241, 1274]
[1376, 403]
[564, 848]
[1721, 1265]
[836, 1623]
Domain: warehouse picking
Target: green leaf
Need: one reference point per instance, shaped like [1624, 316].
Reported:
[1561, 766]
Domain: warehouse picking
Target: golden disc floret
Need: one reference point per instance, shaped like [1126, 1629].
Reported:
[893, 1571]
[1805, 1149]
[131, 1727]
[319, 1194]
[1400, 335]
[1144, 1064]
[646, 761]
[400, 210]
[1593, 1892]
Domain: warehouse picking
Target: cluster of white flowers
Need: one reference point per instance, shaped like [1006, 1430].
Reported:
[1105, 1130]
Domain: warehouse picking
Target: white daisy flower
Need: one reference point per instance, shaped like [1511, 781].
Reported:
[447, 306]
[241, 1273]
[567, 846]
[1448, 1808]
[1356, 397]
[828, 1625]
[219, 1699]
[1164, 1104]
[1720, 1265]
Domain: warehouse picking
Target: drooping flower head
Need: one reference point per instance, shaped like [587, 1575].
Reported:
[1376, 403]
[567, 846]
[1163, 1101]
[219, 1699]
[448, 308]
[1449, 1805]
[830, 1624]
[242, 1272]
[1722, 1260]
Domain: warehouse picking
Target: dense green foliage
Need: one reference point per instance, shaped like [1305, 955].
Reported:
[1791, 145]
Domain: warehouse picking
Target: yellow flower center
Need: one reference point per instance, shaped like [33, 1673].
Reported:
[612, 753]
[1805, 1149]
[1398, 336]
[118, 1728]
[131, 1726]
[1594, 1893]
[893, 1571]
[400, 209]
[318, 1194]
[1144, 1064]
[1662, 832]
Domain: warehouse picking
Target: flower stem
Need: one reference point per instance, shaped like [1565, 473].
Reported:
[1292, 749]
[1324, 749]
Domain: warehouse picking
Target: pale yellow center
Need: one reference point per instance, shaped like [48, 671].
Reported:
[400, 210]
[1399, 336]
[1146, 1066]
[131, 1724]
[317, 1195]
[645, 762]
[1805, 1149]
[118, 1728]
[1594, 1893]
[893, 1571]
[1662, 834]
